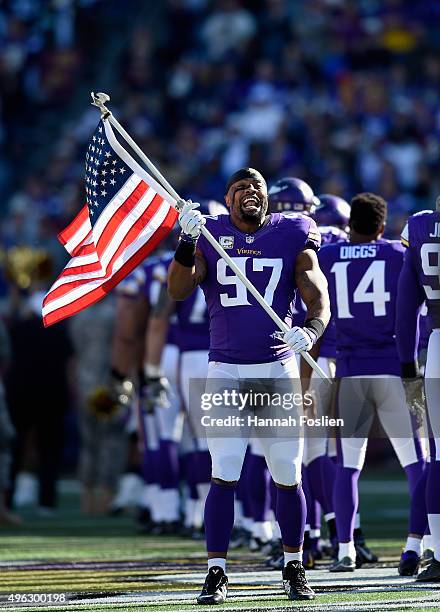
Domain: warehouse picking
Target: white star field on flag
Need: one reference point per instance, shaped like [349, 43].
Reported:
[100, 188]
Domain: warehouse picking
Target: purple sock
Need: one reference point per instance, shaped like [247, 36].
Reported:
[345, 501]
[413, 473]
[328, 469]
[315, 477]
[244, 489]
[291, 515]
[315, 523]
[258, 487]
[273, 495]
[432, 488]
[307, 494]
[148, 467]
[219, 517]
[169, 465]
[190, 474]
[203, 467]
[418, 518]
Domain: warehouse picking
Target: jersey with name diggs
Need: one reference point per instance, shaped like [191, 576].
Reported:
[362, 282]
[421, 236]
[240, 330]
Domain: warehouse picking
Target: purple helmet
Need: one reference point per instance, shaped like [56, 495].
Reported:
[333, 210]
[292, 195]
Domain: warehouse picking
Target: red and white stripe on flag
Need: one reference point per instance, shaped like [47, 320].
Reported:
[132, 224]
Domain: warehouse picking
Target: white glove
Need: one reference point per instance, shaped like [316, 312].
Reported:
[299, 339]
[191, 220]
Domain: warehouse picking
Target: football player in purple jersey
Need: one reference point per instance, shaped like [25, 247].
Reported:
[331, 215]
[278, 254]
[287, 195]
[419, 282]
[362, 276]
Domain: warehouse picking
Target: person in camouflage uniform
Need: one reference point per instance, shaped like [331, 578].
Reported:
[101, 418]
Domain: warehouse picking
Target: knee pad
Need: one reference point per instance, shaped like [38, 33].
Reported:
[405, 450]
[285, 472]
[315, 447]
[352, 455]
[227, 468]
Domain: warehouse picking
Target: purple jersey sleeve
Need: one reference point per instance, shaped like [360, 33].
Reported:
[424, 328]
[410, 296]
[240, 330]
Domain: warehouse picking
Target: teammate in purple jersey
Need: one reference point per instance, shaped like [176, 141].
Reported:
[420, 281]
[362, 277]
[285, 195]
[278, 254]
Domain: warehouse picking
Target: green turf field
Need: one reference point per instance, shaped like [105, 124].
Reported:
[102, 564]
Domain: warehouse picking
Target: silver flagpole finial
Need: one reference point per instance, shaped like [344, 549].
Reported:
[100, 99]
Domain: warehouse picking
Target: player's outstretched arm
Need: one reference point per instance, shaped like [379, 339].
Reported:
[156, 334]
[183, 279]
[188, 268]
[130, 322]
[312, 286]
[410, 296]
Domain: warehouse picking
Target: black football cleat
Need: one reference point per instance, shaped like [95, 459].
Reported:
[295, 582]
[343, 565]
[431, 573]
[363, 553]
[427, 557]
[308, 559]
[215, 588]
[409, 563]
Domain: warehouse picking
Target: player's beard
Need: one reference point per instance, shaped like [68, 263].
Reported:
[255, 217]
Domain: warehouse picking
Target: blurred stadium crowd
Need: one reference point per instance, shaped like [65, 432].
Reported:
[344, 95]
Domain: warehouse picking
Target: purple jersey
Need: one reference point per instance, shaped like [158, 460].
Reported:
[362, 282]
[422, 238]
[192, 323]
[240, 330]
[329, 235]
[419, 281]
[155, 279]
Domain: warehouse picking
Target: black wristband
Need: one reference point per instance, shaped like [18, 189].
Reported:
[409, 369]
[316, 325]
[185, 253]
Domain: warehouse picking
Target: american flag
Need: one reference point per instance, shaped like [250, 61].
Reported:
[127, 215]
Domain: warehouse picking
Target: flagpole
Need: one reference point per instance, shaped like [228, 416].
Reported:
[99, 100]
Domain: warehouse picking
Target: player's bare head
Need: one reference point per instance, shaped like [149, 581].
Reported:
[246, 195]
[368, 214]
